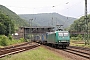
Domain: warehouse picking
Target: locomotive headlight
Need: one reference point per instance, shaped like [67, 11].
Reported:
[59, 41]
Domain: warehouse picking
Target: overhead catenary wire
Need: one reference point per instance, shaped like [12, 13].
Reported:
[48, 7]
[43, 6]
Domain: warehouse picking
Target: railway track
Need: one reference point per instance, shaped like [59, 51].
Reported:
[73, 52]
[16, 49]
[80, 51]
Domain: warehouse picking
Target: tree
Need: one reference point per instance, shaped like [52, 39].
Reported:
[2, 29]
[6, 25]
[80, 24]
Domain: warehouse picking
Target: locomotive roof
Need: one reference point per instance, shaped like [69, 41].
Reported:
[56, 31]
[61, 31]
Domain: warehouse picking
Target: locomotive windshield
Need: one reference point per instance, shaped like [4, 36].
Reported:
[60, 34]
[63, 34]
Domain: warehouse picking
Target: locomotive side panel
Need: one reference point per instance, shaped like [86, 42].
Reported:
[51, 38]
[59, 38]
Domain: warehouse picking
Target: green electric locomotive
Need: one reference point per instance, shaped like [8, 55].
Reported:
[59, 38]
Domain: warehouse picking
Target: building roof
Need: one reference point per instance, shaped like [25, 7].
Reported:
[38, 27]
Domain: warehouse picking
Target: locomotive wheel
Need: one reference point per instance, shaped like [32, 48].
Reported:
[63, 47]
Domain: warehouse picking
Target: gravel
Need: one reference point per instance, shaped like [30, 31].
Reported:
[66, 54]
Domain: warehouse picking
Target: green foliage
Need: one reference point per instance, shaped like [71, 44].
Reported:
[5, 41]
[74, 38]
[2, 28]
[6, 25]
[22, 39]
[79, 37]
[47, 18]
[13, 17]
[79, 25]
[10, 37]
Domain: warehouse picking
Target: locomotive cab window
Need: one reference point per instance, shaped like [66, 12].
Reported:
[65, 34]
[60, 34]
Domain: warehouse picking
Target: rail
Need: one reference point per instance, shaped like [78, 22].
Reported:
[16, 49]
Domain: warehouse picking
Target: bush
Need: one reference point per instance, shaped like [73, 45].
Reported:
[10, 37]
[5, 41]
[79, 37]
[74, 38]
[22, 39]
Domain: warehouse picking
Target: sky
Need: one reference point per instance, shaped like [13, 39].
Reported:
[70, 8]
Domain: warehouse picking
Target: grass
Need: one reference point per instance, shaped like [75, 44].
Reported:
[36, 54]
[78, 43]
